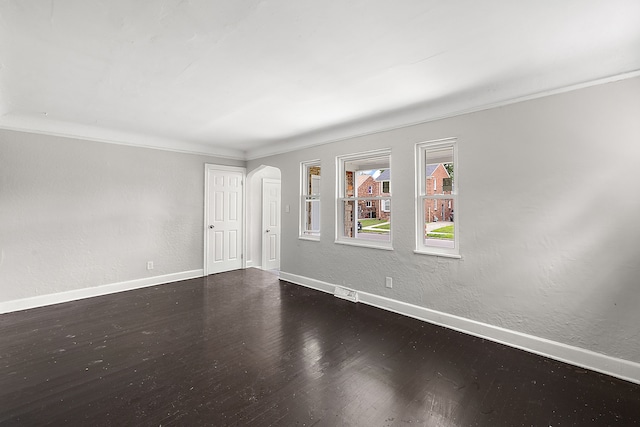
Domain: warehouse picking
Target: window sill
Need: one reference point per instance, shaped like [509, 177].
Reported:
[364, 244]
[311, 238]
[433, 253]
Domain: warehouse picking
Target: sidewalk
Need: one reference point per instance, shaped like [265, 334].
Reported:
[375, 227]
[430, 226]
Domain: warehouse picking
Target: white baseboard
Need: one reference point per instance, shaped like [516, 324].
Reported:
[43, 300]
[619, 368]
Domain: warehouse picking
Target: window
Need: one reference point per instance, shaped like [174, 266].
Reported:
[310, 200]
[437, 198]
[361, 184]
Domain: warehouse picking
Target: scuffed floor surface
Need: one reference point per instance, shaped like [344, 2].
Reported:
[243, 348]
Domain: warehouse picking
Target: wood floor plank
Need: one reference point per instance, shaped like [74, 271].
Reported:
[243, 348]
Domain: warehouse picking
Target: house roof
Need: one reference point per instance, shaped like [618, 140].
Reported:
[361, 179]
[385, 175]
[432, 168]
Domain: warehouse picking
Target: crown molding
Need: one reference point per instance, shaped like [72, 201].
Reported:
[46, 126]
[383, 122]
[419, 114]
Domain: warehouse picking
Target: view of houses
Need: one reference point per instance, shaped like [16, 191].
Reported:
[437, 209]
[374, 185]
[374, 214]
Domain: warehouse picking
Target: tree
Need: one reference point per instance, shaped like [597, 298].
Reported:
[449, 168]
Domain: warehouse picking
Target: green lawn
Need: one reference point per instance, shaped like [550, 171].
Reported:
[371, 222]
[442, 233]
[379, 229]
[446, 229]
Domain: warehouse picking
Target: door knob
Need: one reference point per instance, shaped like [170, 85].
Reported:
[268, 230]
[211, 226]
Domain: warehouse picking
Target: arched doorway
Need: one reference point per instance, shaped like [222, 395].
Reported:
[263, 202]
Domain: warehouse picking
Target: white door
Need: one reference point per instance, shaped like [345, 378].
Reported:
[270, 224]
[223, 218]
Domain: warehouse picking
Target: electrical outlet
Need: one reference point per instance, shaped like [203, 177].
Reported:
[149, 265]
[389, 282]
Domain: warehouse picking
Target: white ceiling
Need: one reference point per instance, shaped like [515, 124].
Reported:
[247, 78]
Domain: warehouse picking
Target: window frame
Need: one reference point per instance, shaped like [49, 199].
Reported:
[341, 198]
[305, 198]
[421, 195]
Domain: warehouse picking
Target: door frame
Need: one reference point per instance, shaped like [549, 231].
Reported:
[262, 225]
[207, 168]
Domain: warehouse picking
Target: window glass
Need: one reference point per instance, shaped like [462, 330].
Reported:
[364, 202]
[438, 223]
[310, 210]
[437, 198]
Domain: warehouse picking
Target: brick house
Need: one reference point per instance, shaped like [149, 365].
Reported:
[384, 189]
[437, 210]
[367, 186]
[373, 187]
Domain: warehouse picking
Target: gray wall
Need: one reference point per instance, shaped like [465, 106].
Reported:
[549, 219]
[76, 214]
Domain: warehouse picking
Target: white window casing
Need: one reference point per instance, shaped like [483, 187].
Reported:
[310, 200]
[437, 232]
[348, 201]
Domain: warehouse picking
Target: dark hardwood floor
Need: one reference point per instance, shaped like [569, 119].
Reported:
[243, 348]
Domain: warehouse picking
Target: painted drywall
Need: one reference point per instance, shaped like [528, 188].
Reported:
[77, 214]
[254, 212]
[548, 213]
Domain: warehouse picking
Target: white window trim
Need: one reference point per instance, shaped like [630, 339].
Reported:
[304, 198]
[385, 203]
[341, 198]
[421, 195]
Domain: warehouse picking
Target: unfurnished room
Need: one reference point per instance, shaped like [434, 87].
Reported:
[304, 213]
